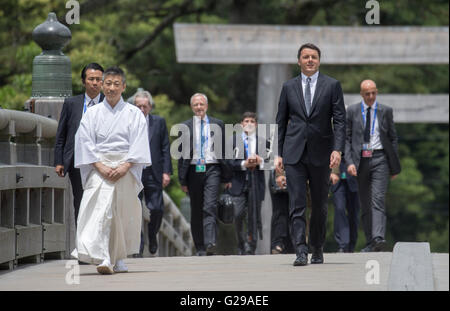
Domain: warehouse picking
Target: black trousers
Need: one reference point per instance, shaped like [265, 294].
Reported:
[280, 232]
[242, 221]
[204, 193]
[77, 190]
[297, 176]
[346, 211]
[153, 193]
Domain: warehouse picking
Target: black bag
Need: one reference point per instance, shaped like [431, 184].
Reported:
[274, 188]
[225, 211]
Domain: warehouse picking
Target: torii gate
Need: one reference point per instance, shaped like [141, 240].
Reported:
[275, 48]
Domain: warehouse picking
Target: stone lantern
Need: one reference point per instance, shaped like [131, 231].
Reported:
[52, 75]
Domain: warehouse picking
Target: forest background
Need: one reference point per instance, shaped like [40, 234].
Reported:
[138, 36]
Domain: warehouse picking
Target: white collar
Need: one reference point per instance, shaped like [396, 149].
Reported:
[117, 106]
[251, 136]
[88, 99]
[197, 119]
[367, 106]
[314, 77]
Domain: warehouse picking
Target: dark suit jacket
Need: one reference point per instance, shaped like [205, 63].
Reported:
[239, 175]
[183, 164]
[351, 180]
[69, 122]
[388, 136]
[159, 147]
[322, 132]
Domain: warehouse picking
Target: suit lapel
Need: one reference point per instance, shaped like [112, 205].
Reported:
[317, 93]
[151, 127]
[299, 91]
[78, 108]
[190, 125]
[380, 116]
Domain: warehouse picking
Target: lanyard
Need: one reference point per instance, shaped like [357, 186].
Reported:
[245, 144]
[202, 143]
[374, 116]
[84, 103]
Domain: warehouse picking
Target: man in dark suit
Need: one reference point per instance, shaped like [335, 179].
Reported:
[157, 176]
[72, 111]
[201, 171]
[248, 183]
[346, 208]
[371, 155]
[311, 139]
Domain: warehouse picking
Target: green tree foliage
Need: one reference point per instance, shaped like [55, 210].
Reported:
[138, 36]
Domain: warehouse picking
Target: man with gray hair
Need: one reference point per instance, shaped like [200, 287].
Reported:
[201, 173]
[157, 176]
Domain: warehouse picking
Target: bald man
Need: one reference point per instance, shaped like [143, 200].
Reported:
[372, 157]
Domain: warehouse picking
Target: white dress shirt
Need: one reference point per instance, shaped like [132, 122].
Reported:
[312, 85]
[375, 140]
[210, 157]
[251, 148]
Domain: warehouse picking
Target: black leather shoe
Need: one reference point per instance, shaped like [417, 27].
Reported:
[317, 255]
[301, 260]
[211, 249]
[153, 245]
[378, 244]
[82, 263]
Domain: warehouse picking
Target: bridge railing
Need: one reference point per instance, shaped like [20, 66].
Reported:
[174, 237]
[35, 203]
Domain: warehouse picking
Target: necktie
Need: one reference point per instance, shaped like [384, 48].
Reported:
[308, 95]
[202, 138]
[246, 147]
[367, 128]
[91, 103]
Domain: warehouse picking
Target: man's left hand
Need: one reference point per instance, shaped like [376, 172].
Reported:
[335, 159]
[165, 180]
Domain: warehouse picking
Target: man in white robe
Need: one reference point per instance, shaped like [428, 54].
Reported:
[111, 149]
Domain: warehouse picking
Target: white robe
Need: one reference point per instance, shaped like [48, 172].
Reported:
[109, 221]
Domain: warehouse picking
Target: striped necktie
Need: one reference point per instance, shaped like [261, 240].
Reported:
[308, 95]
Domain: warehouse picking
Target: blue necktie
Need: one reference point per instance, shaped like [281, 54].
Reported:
[308, 95]
[202, 138]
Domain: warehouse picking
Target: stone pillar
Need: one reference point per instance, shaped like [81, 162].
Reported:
[270, 80]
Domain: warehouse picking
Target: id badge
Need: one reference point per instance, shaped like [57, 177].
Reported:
[200, 168]
[367, 151]
[343, 175]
